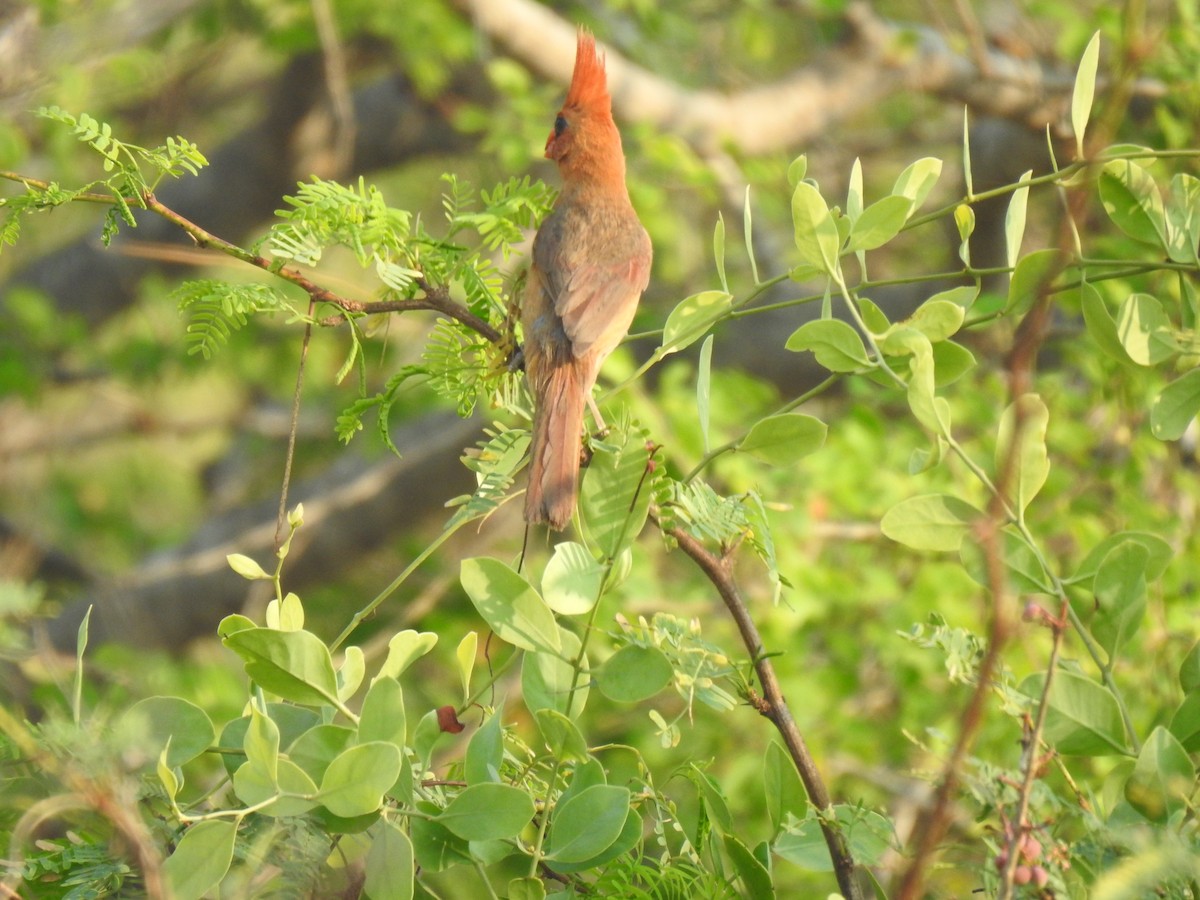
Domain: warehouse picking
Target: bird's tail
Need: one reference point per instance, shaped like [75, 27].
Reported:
[554, 453]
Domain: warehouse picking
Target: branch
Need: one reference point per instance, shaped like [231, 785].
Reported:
[437, 298]
[719, 570]
[881, 58]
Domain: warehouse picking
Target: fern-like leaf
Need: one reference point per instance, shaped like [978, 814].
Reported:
[217, 309]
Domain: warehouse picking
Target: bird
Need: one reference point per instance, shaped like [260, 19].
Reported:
[590, 265]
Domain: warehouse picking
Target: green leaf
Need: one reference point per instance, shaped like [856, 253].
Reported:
[588, 823]
[691, 319]
[405, 648]
[1133, 202]
[716, 807]
[868, 837]
[930, 522]
[1185, 724]
[1085, 90]
[797, 169]
[1120, 590]
[356, 780]
[316, 748]
[464, 658]
[634, 674]
[293, 664]
[485, 752]
[1176, 405]
[1189, 670]
[836, 345]
[246, 567]
[964, 221]
[854, 192]
[1183, 219]
[234, 623]
[548, 680]
[916, 181]
[509, 604]
[262, 744]
[527, 888]
[201, 859]
[158, 720]
[614, 499]
[252, 786]
[783, 439]
[937, 318]
[704, 389]
[1163, 779]
[382, 716]
[351, 672]
[572, 579]
[1030, 462]
[950, 362]
[1158, 551]
[1100, 324]
[1083, 719]
[390, 867]
[561, 736]
[629, 838]
[816, 233]
[1033, 276]
[748, 235]
[785, 792]
[1014, 220]
[488, 812]
[931, 411]
[435, 846]
[1021, 562]
[1145, 331]
[879, 223]
[754, 875]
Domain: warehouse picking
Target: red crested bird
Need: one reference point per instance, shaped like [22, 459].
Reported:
[591, 262]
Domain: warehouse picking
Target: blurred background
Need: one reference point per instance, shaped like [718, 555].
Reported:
[129, 468]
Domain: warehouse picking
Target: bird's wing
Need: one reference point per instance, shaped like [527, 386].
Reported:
[596, 299]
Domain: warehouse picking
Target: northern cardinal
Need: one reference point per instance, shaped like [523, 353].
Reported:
[591, 262]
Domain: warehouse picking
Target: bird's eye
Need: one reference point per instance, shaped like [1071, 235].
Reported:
[560, 125]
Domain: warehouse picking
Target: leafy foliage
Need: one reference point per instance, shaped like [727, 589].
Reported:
[1082, 789]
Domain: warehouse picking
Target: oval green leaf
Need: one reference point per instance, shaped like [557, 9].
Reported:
[390, 867]
[487, 812]
[293, 664]
[1083, 719]
[572, 579]
[588, 823]
[509, 604]
[356, 780]
[930, 522]
[1175, 407]
[835, 344]
[692, 317]
[634, 674]
[201, 859]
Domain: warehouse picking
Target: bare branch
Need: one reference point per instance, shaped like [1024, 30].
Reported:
[719, 570]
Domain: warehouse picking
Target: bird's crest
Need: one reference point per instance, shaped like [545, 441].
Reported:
[589, 86]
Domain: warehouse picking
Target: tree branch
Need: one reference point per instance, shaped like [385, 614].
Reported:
[880, 59]
[719, 570]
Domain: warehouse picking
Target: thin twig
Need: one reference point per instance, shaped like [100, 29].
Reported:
[293, 427]
[333, 54]
[932, 824]
[436, 299]
[1029, 767]
[719, 570]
